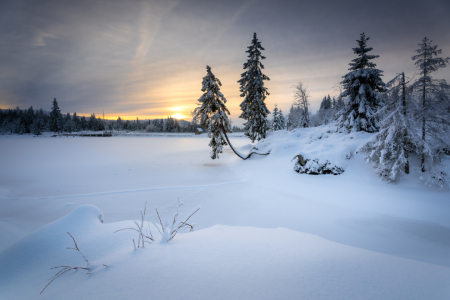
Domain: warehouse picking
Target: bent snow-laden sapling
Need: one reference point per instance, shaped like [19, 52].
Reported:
[170, 230]
[65, 269]
[142, 238]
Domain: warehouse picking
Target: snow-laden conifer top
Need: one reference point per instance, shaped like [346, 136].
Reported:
[362, 86]
[252, 88]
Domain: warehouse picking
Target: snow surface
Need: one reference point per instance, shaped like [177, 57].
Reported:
[263, 232]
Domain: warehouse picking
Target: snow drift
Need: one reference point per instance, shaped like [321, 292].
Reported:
[220, 262]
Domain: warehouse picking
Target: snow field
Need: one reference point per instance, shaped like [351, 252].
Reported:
[264, 231]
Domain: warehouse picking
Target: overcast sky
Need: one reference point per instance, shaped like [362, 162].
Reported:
[147, 59]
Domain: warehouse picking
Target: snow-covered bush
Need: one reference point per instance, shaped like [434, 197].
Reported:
[327, 151]
[316, 166]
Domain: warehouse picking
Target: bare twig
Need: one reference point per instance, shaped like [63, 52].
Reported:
[160, 222]
[68, 268]
[54, 277]
[79, 251]
[188, 218]
[142, 238]
[183, 224]
[126, 229]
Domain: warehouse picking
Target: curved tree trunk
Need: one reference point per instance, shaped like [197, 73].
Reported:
[237, 153]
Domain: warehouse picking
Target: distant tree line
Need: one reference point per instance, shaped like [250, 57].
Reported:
[18, 121]
[37, 121]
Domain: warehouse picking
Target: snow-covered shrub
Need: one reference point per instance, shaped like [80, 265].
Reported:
[316, 166]
[326, 151]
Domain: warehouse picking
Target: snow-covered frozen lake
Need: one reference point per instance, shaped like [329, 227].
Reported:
[350, 236]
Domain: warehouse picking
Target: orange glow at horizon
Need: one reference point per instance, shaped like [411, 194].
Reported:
[178, 116]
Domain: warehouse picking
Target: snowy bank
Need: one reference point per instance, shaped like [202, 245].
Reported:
[220, 262]
[320, 150]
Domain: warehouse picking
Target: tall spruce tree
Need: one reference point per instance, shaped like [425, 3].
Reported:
[212, 113]
[253, 108]
[362, 86]
[434, 111]
[55, 122]
[389, 149]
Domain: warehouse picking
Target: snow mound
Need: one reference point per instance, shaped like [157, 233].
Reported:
[322, 150]
[83, 214]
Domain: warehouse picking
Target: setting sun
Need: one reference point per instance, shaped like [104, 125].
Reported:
[178, 116]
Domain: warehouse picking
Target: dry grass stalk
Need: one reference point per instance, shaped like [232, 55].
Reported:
[142, 238]
[68, 268]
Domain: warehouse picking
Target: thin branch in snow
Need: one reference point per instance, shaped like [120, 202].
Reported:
[68, 268]
[160, 222]
[77, 249]
[142, 238]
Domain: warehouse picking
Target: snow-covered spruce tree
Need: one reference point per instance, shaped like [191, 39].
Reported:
[293, 117]
[362, 86]
[301, 96]
[253, 108]
[289, 122]
[325, 114]
[212, 113]
[389, 149]
[36, 126]
[276, 123]
[55, 122]
[431, 93]
[282, 120]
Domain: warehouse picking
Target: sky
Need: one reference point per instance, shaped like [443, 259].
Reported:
[147, 59]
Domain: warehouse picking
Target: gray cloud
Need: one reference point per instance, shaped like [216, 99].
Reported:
[143, 57]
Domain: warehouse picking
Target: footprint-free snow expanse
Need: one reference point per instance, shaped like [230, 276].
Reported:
[263, 231]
